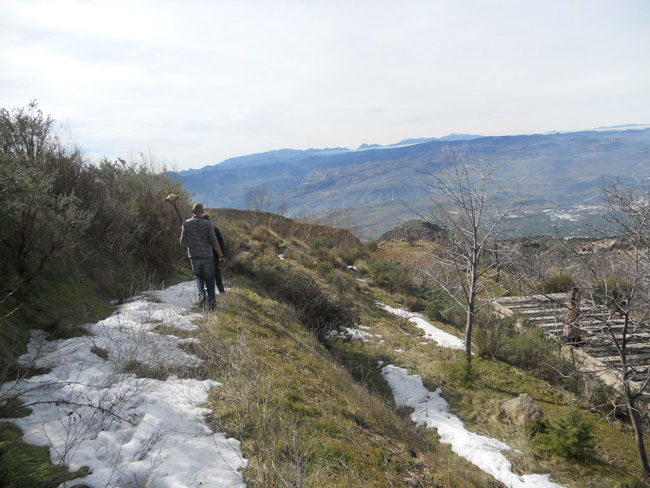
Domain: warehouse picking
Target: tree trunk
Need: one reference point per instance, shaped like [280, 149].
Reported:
[468, 331]
[470, 314]
[638, 434]
[498, 264]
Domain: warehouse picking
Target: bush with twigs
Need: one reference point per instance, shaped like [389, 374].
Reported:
[321, 311]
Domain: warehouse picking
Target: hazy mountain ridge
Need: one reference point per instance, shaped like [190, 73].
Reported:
[552, 173]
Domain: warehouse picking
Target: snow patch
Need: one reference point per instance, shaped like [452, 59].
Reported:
[442, 338]
[129, 431]
[432, 411]
[353, 334]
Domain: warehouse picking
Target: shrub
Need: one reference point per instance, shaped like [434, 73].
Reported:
[411, 303]
[571, 437]
[529, 349]
[111, 216]
[319, 310]
[242, 264]
[318, 242]
[37, 223]
[613, 293]
[331, 255]
[372, 246]
[440, 306]
[342, 282]
[390, 275]
[324, 267]
[560, 283]
[362, 266]
[266, 235]
[532, 350]
[349, 254]
[492, 336]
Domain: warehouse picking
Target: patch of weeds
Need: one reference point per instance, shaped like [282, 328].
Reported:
[99, 351]
[13, 408]
[464, 373]
[142, 370]
[321, 311]
[25, 466]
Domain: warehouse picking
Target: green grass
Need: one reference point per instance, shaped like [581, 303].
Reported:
[312, 414]
[25, 466]
[478, 404]
[304, 417]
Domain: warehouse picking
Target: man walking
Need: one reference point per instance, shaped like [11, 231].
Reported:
[217, 263]
[199, 237]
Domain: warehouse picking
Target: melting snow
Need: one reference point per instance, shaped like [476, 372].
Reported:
[442, 338]
[353, 334]
[129, 431]
[432, 411]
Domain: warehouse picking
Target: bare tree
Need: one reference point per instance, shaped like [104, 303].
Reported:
[282, 208]
[617, 282]
[466, 203]
[258, 200]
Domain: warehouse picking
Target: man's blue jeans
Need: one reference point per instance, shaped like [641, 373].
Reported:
[203, 269]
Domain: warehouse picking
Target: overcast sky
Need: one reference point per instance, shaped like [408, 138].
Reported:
[196, 82]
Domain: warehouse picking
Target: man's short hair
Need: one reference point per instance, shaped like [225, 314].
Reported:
[197, 208]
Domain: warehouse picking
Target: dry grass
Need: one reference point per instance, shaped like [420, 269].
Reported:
[478, 404]
[303, 419]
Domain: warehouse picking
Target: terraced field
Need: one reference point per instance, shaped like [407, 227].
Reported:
[603, 333]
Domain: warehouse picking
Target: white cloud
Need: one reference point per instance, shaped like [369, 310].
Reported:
[200, 81]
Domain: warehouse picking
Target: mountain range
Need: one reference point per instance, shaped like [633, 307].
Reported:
[556, 176]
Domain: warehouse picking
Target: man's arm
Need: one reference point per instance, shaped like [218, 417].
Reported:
[220, 239]
[214, 242]
[183, 235]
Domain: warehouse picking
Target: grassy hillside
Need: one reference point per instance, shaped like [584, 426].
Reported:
[314, 413]
[310, 405]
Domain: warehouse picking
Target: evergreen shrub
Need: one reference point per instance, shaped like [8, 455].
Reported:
[324, 267]
[571, 437]
[319, 241]
[560, 283]
[390, 275]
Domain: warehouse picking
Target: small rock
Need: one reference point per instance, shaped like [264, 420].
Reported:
[523, 412]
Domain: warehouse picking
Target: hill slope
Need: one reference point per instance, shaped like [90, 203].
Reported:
[560, 173]
[307, 345]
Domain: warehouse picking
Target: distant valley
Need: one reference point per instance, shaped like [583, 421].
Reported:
[557, 176]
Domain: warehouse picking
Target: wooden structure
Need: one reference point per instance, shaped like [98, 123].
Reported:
[596, 351]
